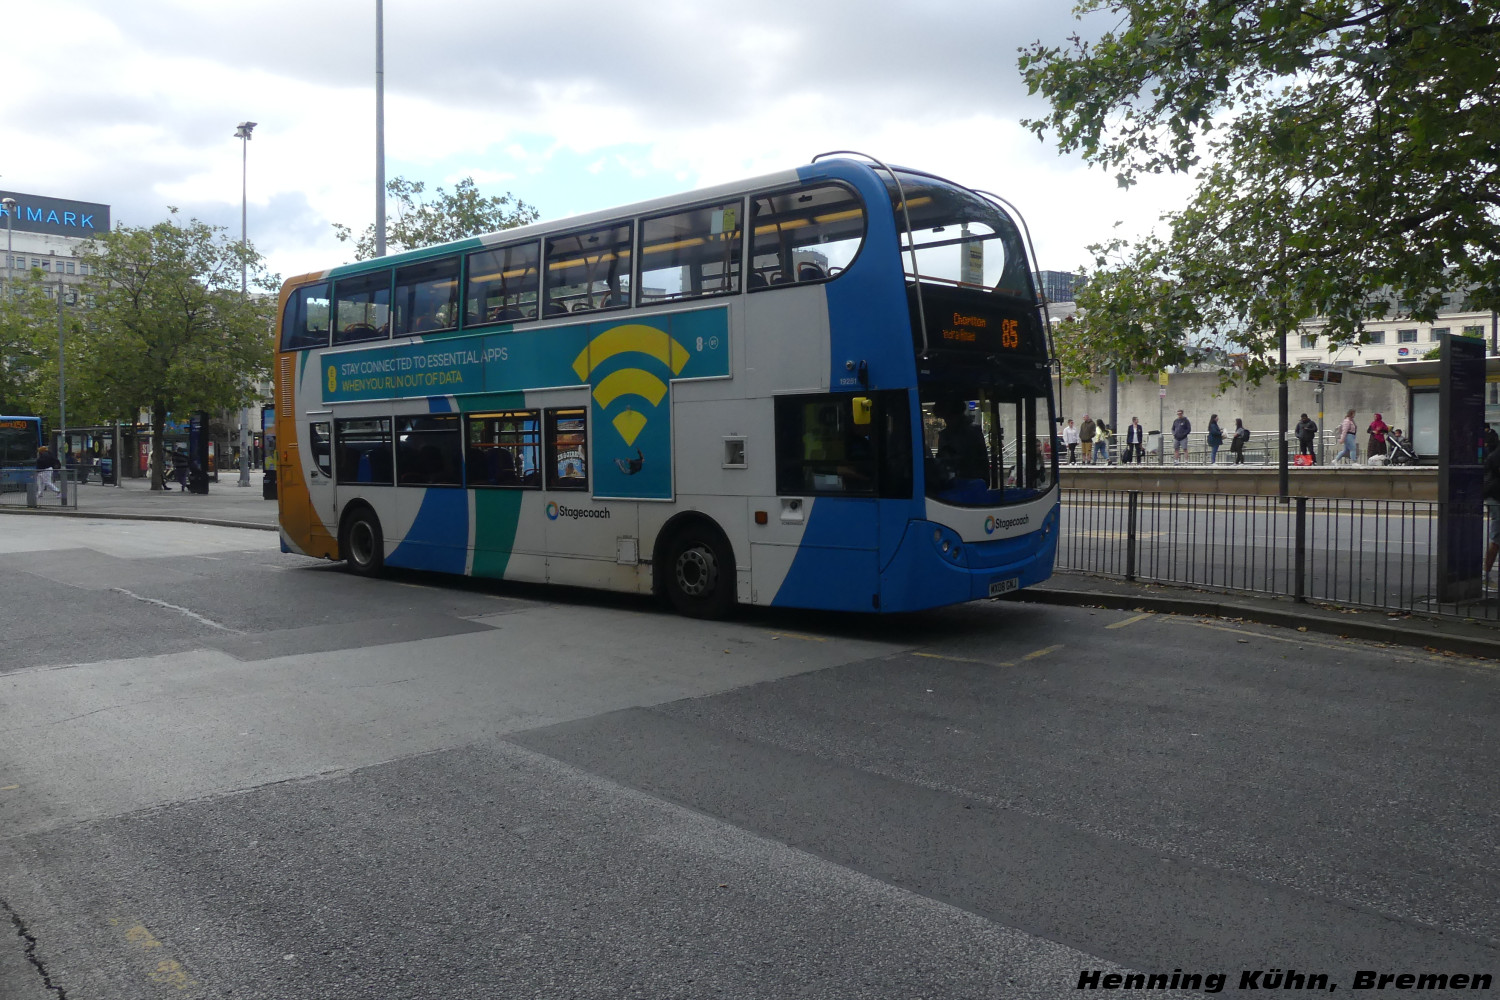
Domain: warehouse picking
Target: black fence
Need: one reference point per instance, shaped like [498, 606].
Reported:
[1380, 554]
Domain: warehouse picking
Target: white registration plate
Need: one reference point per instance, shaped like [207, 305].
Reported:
[999, 587]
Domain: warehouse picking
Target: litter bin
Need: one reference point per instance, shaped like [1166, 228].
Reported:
[107, 472]
[268, 485]
[198, 482]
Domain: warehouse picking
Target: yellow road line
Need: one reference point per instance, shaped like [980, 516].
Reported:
[798, 635]
[167, 971]
[1131, 621]
[1042, 652]
[9, 788]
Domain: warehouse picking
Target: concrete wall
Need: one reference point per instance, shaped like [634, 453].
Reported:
[1197, 395]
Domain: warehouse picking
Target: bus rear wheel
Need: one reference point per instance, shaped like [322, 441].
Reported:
[364, 545]
[700, 574]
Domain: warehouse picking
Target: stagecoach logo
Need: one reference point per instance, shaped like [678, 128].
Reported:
[989, 526]
[555, 511]
[992, 523]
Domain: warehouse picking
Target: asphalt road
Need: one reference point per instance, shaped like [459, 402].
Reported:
[227, 772]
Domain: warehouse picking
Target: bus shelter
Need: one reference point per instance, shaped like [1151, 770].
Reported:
[1421, 381]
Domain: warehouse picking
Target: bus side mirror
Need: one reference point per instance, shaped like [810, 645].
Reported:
[864, 406]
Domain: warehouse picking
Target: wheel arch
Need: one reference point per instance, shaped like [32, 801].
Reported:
[676, 525]
[355, 506]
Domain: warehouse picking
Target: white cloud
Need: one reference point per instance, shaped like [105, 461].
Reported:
[573, 109]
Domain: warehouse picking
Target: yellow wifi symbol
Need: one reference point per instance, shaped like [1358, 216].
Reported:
[630, 338]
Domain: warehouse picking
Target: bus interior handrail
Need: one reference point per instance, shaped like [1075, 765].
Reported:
[911, 238]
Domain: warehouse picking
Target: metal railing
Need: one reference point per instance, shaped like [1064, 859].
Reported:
[1379, 554]
[19, 488]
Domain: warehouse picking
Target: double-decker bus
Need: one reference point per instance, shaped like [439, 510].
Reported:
[20, 437]
[822, 388]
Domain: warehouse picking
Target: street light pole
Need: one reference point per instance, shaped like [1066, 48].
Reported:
[379, 128]
[62, 392]
[243, 134]
[10, 210]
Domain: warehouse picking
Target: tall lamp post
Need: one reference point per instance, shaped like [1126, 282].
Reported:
[10, 210]
[243, 134]
[379, 128]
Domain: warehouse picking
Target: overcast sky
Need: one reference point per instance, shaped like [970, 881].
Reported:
[572, 107]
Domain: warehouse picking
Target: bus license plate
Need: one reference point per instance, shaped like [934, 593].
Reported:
[1005, 586]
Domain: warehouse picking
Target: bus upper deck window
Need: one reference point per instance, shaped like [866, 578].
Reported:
[304, 323]
[588, 270]
[362, 308]
[502, 285]
[427, 296]
[691, 254]
[804, 235]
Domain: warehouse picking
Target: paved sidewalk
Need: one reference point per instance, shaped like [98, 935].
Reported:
[226, 503]
[1453, 635]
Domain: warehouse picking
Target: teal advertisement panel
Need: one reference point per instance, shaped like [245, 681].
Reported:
[628, 364]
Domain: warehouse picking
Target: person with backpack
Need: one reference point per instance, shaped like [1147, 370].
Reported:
[1086, 438]
[1237, 443]
[1306, 431]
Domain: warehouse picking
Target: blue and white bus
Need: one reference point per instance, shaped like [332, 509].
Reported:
[20, 437]
[822, 388]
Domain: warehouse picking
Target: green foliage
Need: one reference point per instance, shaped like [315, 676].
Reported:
[418, 223]
[28, 346]
[169, 329]
[1346, 154]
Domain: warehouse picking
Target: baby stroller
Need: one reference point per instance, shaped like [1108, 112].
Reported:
[1399, 452]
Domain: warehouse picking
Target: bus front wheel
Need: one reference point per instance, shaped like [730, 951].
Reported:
[364, 545]
[700, 575]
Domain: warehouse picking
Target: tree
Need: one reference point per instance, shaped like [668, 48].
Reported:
[169, 329]
[28, 344]
[464, 212]
[1346, 153]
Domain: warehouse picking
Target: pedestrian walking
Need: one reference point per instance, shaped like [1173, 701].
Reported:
[1070, 439]
[1348, 434]
[1306, 431]
[1086, 438]
[1215, 439]
[1181, 428]
[1237, 443]
[46, 465]
[1101, 441]
[1135, 441]
[1489, 442]
[1377, 431]
[1492, 511]
[180, 469]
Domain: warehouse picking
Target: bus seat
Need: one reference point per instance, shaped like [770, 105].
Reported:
[810, 272]
[556, 309]
[580, 307]
[778, 278]
[758, 280]
[363, 472]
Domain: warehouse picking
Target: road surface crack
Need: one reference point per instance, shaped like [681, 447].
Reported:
[30, 950]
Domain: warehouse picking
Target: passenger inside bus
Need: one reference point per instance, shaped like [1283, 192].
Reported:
[961, 454]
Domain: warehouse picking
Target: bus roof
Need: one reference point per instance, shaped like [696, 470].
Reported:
[697, 196]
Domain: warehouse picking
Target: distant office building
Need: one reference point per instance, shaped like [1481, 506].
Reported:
[43, 234]
[1391, 340]
[1057, 286]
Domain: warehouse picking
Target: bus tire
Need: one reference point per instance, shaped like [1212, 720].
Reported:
[699, 574]
[363, 545]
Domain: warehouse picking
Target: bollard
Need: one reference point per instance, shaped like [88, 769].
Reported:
[31, 492]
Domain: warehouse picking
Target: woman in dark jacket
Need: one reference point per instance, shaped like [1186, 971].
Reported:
[1237, 443]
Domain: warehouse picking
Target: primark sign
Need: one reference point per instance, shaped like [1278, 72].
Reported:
[34, 214]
